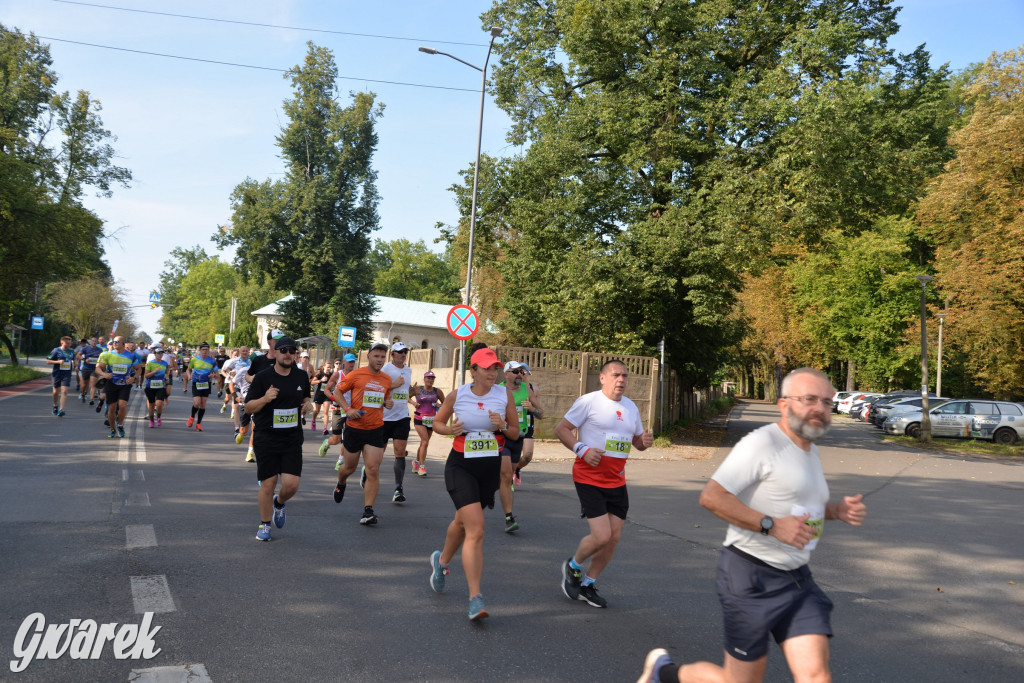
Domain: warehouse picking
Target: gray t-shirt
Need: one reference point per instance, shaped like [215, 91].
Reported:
[771, 474]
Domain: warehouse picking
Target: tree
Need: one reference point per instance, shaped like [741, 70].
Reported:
[673, 145]
[409, 270]
[310, 233]
[202, 303]
[974, 213]
[90, 305]
[53, 147]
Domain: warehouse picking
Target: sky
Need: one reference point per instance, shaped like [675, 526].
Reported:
[190, 131]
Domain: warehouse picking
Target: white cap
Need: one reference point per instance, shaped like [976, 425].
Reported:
[512, 365]
[304, 354]
[399, 346]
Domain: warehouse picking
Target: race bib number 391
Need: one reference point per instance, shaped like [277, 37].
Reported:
[481, 445]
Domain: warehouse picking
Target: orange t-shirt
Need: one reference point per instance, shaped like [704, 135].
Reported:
[369, 391]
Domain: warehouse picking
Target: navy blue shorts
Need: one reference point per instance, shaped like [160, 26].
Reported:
[759, 599]
[62, 378]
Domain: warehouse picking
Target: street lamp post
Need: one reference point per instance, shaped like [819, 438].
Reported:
[938, 371]
[926, 423]
[495, 32]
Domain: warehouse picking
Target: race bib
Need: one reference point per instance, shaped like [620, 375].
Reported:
[521, 414]
[481, 445]
[428, 421]
[399, 396]
[202, 386]
[119, 369]
[816, 521]
[65, 365]
[90, 361]
[285, 418]
[156, 384]
[617, 445]
[373, 399]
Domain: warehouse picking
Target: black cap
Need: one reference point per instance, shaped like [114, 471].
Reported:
[204, 345]
[285, 342]
[378, 345]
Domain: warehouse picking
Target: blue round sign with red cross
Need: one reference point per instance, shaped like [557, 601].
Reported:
[463, 322]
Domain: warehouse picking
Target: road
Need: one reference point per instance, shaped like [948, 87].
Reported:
[928, 590]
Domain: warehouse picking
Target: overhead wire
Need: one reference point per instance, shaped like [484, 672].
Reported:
[262, 25]
[251, 66]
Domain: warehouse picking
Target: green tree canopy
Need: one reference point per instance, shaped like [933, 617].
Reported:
[409, 270]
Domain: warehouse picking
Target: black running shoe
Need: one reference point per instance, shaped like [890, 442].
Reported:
[589, 595]
[368, 516]
[399, 497]
[339, 493]
[99, 407]
[571, 580]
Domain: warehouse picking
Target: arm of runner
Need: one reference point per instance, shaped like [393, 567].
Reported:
[440, 398]
[566, 433]
[642, 442]
[791, 530]
[534, 406]
[444, 414]
[511, 417]
[850, 509]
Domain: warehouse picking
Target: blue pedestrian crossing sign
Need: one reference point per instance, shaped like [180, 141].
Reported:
[154, 297]
[346, 336]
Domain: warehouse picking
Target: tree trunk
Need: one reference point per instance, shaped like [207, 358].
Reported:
[851, 370]
[10, 347]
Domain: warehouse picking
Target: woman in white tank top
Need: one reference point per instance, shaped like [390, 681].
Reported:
[485, 415]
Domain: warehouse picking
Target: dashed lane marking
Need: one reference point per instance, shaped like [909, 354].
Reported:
[185, 673]
[151, 594]
[139, 536]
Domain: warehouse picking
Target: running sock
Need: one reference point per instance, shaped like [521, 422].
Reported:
[194, 409]
[587, 581]
[199, 415]
[399, 472]
[277, 504]
[669, 673]
[572, 563]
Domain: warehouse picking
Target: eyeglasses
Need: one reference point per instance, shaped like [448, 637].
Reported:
[516, 372]
[811, 400]
[403, 351]
[291, 350]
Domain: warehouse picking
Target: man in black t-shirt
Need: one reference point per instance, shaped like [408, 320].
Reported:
[277, 398]
[221, 357]
[260, 363]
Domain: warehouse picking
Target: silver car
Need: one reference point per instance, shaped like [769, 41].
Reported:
[952, 418]
[1006, 428]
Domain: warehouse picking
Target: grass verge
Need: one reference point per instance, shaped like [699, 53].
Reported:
[680, 430]
[16, 374]
[971, 447]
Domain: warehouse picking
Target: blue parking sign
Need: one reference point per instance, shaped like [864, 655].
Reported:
[37, 322]
[346, 336]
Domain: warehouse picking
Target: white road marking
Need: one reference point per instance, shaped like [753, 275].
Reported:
[140, 444]
[139, 476]
[124, 475]
[139, 536]
[151, 594]
[185, 673]
[138, 499]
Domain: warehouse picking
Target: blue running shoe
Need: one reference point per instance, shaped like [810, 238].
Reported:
[263, 533]
[437, 572]
[61, 413]
[120, 431]
[652, 665]
[112, 434]
[279, 514]
[477, 610]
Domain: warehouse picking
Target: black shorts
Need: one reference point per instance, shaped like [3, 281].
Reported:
[244, 418]
[201, 393]
[598, 502]
[275, 457]
[62, 379]
[529, 430]
[419, 423]
[117, 392]
[758, 599]
[471, 481]
[154, 395]
[396, 429]
[87, 371]
[338, 422]
[355, 439]
[513, 449]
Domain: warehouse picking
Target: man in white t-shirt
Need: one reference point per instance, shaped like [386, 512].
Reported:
[607, 426]
[772, 492]
[396, 419]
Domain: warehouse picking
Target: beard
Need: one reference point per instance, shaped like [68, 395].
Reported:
[805, 430]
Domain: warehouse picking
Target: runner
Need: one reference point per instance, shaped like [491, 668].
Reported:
[425, 400]
[62, 358]
[221, 358]
[259, 363]
[235, 371]
[484, 416]
[396, 418]
[89, 355]
[303, 363]
[527, 458]
[512, 452]
[200, 370]
[320, 400]
[172, 367]
[184, 360]
[278, 396]
[79, 383]
[224, 378]
[116, 367]
[99, 384]
[608, 426]
[364, 427]
[772, 492]
[156, 385]
[338, 417]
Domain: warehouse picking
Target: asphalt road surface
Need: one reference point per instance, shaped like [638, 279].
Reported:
[929, 589]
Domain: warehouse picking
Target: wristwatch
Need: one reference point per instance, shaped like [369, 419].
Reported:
[766, 525]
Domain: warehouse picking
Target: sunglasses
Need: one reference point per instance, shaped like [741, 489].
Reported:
[516, 372]
[289, 350]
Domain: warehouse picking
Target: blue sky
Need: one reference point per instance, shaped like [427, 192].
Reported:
[191, 131]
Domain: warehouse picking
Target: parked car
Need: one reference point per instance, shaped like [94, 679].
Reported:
[861, 409]
[848, 403]
[902, 404]
[1005, 428]
[953, 418]
[839, 396]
